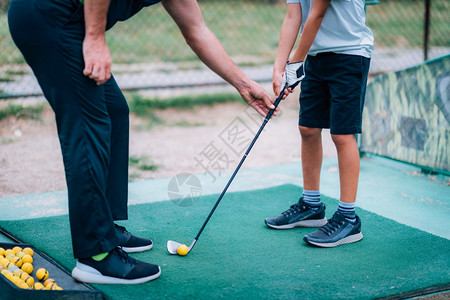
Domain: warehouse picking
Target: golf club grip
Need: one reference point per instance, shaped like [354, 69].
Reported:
[277, 101]
[266, 119]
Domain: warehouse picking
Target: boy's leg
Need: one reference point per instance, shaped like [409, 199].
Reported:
[347, 77]
[311, 154]
[348, 161]
[309, 211]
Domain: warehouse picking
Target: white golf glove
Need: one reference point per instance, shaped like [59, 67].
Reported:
[293, 74]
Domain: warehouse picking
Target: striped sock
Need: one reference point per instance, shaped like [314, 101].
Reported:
[312, 199]
[347, 210]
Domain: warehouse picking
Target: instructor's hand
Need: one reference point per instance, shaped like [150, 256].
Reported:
[97, 59]
[258, 98]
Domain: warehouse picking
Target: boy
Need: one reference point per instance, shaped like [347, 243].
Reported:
[339, 46]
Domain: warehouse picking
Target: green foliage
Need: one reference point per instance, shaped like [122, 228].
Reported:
[22, 112]
[146, 108]
[147, 167]
[244, 28]
[141, 162]
[4, 4]
[188, 124]
[248, 30]
[141, 106]
[400, 23]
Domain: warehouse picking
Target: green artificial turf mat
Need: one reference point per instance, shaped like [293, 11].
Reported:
[237, 256]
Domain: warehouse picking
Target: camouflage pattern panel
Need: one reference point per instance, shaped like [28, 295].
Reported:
[407, 115]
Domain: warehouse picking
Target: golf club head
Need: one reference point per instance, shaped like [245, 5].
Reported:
[172, 247]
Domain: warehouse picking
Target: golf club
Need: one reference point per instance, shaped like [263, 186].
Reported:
[172, 246]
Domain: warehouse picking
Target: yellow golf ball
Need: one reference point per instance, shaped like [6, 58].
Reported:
[17, 261]
[27, 258]
[7, 273]
[4, 262]
[27, 267]
[38, 286]
[10, 256]
[42, 274]
[10, 276]
[23, 285]
[28, 251]
[51, 286]
[49, 281]
[29, 280]
[15, 279]
[182, 250]
[16, 250]
[19, 272]
[24, 275]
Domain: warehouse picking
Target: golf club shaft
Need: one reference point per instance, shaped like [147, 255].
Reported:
[266, 119]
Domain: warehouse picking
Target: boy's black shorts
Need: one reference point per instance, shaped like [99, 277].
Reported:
[333, 92]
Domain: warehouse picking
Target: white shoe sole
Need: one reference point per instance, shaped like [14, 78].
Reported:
[347, 240]
[84, 273]
[305, 223]
[137, 249]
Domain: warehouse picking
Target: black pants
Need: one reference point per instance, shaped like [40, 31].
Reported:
[92, 121]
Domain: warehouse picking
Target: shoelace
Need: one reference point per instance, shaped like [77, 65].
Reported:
[294, 208]
[123, 255]
[332, 225]
[121, 228]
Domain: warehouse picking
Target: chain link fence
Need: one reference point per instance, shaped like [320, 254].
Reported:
[149, 52]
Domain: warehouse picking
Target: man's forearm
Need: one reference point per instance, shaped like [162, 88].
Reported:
[97, 58]
[95, 12]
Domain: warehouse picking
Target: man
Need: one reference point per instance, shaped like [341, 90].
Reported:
[339, 46]
[64, 43]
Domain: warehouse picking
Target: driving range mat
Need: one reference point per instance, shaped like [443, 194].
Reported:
[237, 256]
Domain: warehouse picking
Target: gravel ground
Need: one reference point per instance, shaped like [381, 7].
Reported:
[206, 139]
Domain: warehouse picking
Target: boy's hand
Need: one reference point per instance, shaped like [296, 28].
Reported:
[293, 74]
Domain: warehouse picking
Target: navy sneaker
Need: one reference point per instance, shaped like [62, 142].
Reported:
[298, 215]
[130, 243]
[116, 268]
[337, 231]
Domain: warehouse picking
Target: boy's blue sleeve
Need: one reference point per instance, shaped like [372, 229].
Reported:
[293, 1]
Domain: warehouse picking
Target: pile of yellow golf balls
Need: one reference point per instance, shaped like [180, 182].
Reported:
[16, 265]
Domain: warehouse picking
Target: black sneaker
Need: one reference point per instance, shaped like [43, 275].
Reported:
[116, 268]
[299, 215]
[337, 231]
[130, 243]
